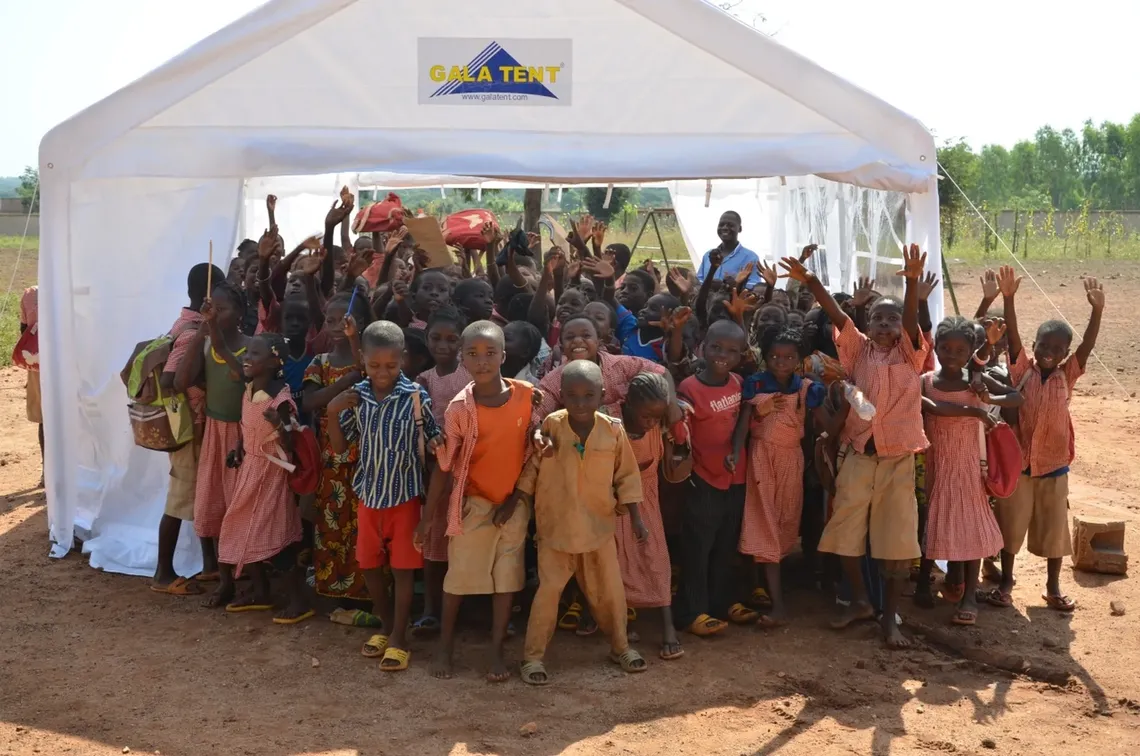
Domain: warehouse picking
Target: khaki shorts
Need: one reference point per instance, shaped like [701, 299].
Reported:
[183, 480]
[1038, 507]
[486, 558]
[32, 398]
[874, 496]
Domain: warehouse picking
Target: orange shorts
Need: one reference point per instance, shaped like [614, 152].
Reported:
[384, 536]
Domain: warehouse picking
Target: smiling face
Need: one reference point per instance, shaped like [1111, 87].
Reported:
[728, 229]
[884, 323]
[724, 348]
[258, 360]
[579, 340]
[1051, 349]
[781, 360]
[382, 366]
[572, 303]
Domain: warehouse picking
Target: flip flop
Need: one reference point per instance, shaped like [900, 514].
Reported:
[994, 597]
[233, 608]
[425, 627]
[630, 614]
[355, 618]
[399, 655]
[294, 620]
[952, 592]
[374, 647]
[761, 599]
[1060, 603]
[666, 655]
[628, 661]
[742, 615]
[529, 671]
[964, 617]
[587, 630]
[179, 586]
[704, 626]
[569, 619]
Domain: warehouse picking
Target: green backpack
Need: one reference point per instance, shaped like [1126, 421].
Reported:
[160, 421]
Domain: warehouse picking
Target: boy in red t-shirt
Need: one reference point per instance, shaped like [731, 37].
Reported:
[713, 510]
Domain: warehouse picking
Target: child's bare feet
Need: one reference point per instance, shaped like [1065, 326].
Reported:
[442, 667]
[857, 611]
[500, 672]
[775, 617]
[892, 635]
[221, 596]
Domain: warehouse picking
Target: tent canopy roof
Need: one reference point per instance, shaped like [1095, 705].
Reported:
[647, 90]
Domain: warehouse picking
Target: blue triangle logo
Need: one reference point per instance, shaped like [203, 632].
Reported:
[493, 58]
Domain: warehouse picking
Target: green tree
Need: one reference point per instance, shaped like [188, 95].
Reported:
[959, 161]
[28, 190]
[596, 197]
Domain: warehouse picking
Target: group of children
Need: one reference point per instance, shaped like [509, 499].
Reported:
[639, 441]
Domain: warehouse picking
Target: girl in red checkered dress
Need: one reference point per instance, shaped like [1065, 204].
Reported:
[960, 526]
[650, 407]
[775, 405]
[444, 382]
[263, 522]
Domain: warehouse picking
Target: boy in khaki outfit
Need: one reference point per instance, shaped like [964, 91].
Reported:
[584, 476]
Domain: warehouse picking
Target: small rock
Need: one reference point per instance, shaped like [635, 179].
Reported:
[1015, 632]
[529, 730]
[920, 709]
[989, 743]
[1063, 285]
[860, 664]
[1117, 608]
[781, 675]
[1048, 643]
[126, 749]
[316, 662]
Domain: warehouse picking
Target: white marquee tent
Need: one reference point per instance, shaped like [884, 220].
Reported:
[549, 91]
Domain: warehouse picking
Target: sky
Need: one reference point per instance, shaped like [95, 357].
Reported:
[989, 71]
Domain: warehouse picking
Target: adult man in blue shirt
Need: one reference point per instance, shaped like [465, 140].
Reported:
[733, 255]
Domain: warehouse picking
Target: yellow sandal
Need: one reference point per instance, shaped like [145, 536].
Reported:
[399, 655]
[374, 647]
[704, 626]
[742, 615]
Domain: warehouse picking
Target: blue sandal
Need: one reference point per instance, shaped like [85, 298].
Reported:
[425, 627]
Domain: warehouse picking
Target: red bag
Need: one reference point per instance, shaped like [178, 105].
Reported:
[1001, 460]
[26, 353]
[307, 456]
[465, 228]
[387, 215]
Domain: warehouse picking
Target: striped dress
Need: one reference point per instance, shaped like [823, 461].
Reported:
[960, 526]
[442, 389]
[774, 494]
[645, 568]
[262, 519]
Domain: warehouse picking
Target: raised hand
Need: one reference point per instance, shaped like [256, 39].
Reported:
[585, 227]
[400, 290]
[598, 268]
[926, 285]
[267, 244]
[741, 303]
[864, 292]
[490, 234]
[807, 252]
[1095, 293]
[1008, 281]
[598, 233]
[914, 263]
[271, 204]
[795, 270]
[681, 281]
[395, 239]
[995, 329]
[209, 314]
[312, 243]
[651, 268]
[989, 281]
[534, 242]
[346, 197]
[337, 213]
[309, 265]
[555, 262]
[770, 274]
[350, 331]
[742, 276]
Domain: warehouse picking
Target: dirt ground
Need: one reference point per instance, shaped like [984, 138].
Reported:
[92, 663]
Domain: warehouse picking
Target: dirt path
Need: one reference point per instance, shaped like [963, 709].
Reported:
[91, 663]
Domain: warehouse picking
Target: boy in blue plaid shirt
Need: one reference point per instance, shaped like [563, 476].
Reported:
[385, 414]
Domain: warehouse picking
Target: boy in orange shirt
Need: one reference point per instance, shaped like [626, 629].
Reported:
[487, 433]
[874, 489]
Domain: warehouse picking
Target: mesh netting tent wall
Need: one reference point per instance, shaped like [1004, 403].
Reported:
[547, 91]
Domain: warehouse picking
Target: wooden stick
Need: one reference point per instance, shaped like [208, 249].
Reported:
[210, 272]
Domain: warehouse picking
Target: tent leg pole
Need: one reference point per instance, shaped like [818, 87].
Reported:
[949, 285]
[660, 241]
[639, 233]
